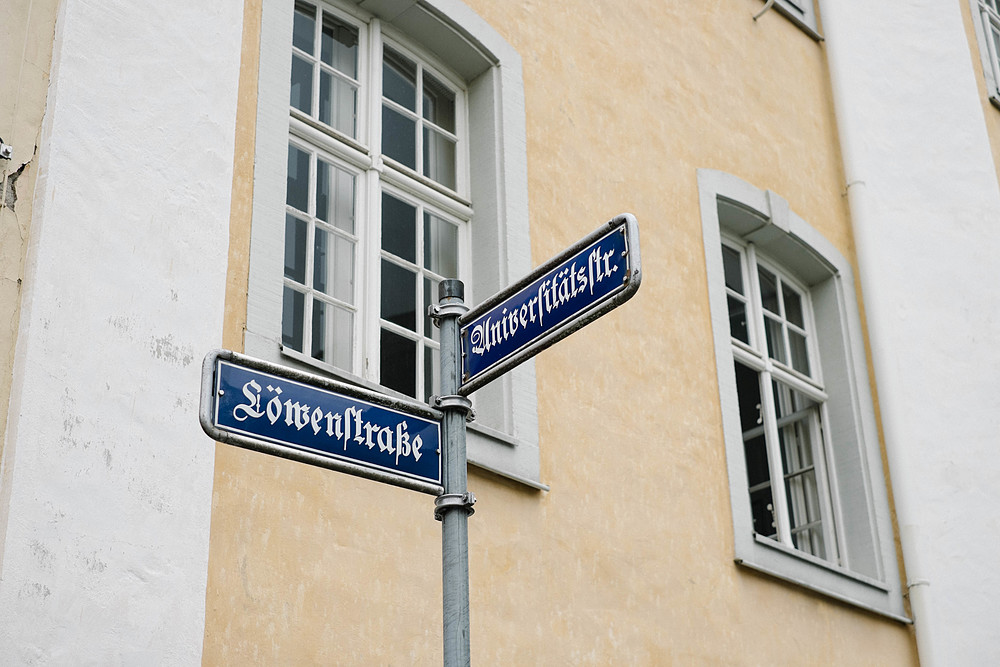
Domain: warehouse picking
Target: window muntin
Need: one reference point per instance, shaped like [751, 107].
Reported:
[357, 286]
[780, 404]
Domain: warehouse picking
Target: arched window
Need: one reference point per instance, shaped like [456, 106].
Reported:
[390, 154]
[808, 494]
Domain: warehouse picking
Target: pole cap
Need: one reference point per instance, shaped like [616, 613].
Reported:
[450, 289]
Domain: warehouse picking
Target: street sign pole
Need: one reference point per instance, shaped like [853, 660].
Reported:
[454, 506]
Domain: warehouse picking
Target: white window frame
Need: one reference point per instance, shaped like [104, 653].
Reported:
[864, 572]
[802, 13]
[504, 437]
[755, 356]
[986, 20]
[373, 177]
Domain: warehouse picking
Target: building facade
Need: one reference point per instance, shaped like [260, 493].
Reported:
[781, 449]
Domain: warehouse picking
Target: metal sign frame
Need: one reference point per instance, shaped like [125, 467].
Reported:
[624, 224]
[303, 454]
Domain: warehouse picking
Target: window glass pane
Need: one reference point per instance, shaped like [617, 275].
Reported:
[775, 341]
[304, 28]
[440, 246]
[797, 6]
[399, 137]
[800, 354]
[738, 320]
[748, 390]
[793, 305]
[293, 309]
[338, 103]
[333, 267]
[788, 401]
[343, 338]
[762, 510]
[319, 331]
[300, 96]
[297, 188]
[758, 471]
[332, 333]
[335, 196]
[432, 366]
[296, 239]
[399, 295]
[343, 201]
[805, 518]
[398, 361]
[796, 447]
[439, 158]
[339, 46]
[343, 258]
[322, 260]
[731, 264]
[768, 289]
[755, 450]
[323, 189]
[399, 79]
[439, 103]
[810, 540]
[301, 91]
[399, 228]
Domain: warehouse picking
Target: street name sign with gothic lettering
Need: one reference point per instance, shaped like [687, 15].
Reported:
[593, 276]
[296, 415]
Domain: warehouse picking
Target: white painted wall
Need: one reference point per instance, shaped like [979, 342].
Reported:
[926, 213]
[107, 476]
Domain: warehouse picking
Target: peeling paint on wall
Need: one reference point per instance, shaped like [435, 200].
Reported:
[10, 185]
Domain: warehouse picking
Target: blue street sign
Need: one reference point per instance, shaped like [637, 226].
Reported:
[595, 275]
[311, 419]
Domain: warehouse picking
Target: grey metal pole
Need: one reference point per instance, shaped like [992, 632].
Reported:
[455, 505]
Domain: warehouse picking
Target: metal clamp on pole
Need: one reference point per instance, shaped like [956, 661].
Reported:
[455, 402]
[436, 312]
[448, 501]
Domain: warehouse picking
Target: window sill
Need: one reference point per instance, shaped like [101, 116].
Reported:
[795, 567]
[478, 431]
[329, 138]
[819, 562]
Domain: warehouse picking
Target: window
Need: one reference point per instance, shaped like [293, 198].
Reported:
[410, 116]
[802, 13]
[781, 402]
[807, 490]
[390, 154]
[986, 18]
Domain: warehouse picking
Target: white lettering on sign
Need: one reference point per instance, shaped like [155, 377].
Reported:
[348, 427]
[552, 294]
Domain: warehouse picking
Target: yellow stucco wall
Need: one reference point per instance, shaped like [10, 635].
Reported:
[628, 559]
